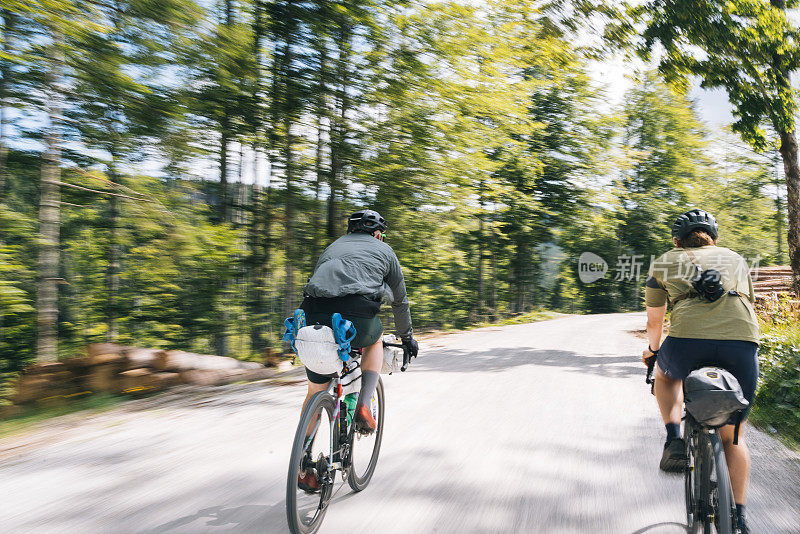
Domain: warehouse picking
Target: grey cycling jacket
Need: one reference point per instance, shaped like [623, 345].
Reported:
[359, 264]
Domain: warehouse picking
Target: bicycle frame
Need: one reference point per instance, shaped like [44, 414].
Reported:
[335, 390]
[335, 426]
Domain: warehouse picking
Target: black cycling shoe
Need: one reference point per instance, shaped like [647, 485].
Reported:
[743, 527]
[674, 458]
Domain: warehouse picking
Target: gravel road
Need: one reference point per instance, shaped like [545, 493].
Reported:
[544, 427]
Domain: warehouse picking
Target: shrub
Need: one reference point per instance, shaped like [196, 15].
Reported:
[777, 402]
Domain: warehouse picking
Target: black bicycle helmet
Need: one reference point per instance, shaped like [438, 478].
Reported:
[695, 220]
[366, 221]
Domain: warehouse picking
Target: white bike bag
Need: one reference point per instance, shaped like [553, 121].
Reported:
[317, 349]
[392, 356]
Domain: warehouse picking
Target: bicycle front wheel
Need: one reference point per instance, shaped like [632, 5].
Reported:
[725, 508]
[364, 450]
[310, 459]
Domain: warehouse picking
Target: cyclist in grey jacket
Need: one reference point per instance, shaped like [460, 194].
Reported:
[351, 277]
[358, 264]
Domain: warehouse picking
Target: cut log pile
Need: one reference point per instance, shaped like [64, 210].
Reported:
[115, 369]
[771, 282]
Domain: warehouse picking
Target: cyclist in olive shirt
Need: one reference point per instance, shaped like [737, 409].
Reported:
[723, 332]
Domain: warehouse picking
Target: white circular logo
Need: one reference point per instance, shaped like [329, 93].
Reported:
[591, 267]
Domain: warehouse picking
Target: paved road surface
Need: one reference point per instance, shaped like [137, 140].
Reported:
[546, 427]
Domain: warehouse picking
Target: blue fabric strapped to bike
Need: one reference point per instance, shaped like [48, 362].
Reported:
[288, 336]
[343, 332]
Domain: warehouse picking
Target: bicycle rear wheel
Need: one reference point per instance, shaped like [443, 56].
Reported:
[705, 487]
[691, 479]
[725, 509]
[364, 450]
[311, 452]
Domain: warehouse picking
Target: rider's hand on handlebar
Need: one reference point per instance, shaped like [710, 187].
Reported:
[411, 346]
[647, 354]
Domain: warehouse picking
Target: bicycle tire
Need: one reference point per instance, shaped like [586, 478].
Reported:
[359, 481]
[320, 402]
[704, 487]
[726, 509]
[690, 480]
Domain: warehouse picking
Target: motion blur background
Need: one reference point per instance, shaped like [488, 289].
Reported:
[182, 164]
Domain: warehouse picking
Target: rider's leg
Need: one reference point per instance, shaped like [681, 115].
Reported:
[372, 356]
[314, 388]
[371, 362]
[738, 459]
[669, 395]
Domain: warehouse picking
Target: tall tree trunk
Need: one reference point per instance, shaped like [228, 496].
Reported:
[339, 130]
[481, 249]
[778, 211]
[257, 226]
[788, 150]
[520, 275]
[8, 22]
[49, 220]
[222, 335]
[288, 114]
[224, 141]
[113, 255]
[228, 12]
[792, 171]
[225, 135]
[256, 272]
[289, 222]
[237, 215]
[318, 157]
[493, 293]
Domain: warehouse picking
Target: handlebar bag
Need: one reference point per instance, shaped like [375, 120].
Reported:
[392, 356]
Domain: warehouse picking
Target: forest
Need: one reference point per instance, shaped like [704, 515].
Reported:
[171, 170]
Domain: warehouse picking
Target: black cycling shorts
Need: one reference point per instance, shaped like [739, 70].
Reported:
[678, 356]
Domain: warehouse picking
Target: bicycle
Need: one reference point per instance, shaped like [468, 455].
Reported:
[707, 486]
[329, 417]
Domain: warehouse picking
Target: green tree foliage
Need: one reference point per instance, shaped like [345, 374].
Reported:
[475, 129]
[748, 47]
[666, 146]
[665, 166]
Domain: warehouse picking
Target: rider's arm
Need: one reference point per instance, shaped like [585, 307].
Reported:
[655, 324]
[400, 307]
[655, 299]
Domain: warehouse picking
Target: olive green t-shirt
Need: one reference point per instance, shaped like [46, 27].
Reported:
[730, 317]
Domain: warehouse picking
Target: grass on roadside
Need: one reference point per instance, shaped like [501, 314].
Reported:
[530, 317]
[32, 415]
[777, 403]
